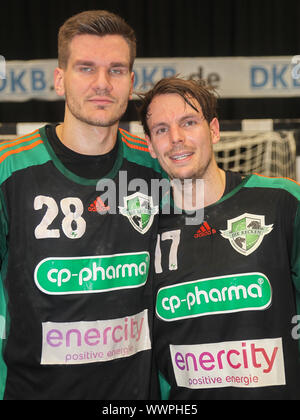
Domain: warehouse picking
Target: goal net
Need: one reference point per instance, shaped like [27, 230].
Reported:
[270, 153]
[267, 153]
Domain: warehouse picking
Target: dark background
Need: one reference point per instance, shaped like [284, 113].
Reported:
[164, 28]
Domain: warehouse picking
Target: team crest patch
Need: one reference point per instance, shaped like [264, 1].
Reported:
[140, 211]
[246, 232]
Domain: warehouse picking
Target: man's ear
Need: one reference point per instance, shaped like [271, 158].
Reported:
[59, 81]
[151, 150]
[214, 127]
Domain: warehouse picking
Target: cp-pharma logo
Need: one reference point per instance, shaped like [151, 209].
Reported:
[212, 296]
[96, 274]
[2, 67]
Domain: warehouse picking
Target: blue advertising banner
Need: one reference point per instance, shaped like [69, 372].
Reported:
[232, 77]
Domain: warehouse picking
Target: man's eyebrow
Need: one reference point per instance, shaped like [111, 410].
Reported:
[84, 63]
[156, 125]
[183, 118]
[119, 64]
[93, 63]
[188, 116]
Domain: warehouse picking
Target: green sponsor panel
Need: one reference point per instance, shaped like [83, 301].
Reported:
[226, 294]
[92, 274]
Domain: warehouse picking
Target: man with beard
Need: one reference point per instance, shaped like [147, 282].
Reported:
[75, 289]
[228, 285]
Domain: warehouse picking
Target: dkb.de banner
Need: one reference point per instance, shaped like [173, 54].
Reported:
[233, 77]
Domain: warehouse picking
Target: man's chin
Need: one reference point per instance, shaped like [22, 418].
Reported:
[184, 175]
[97, 119]
[99, 122]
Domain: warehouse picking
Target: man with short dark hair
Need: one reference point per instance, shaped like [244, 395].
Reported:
[75, 290]
[228, 287]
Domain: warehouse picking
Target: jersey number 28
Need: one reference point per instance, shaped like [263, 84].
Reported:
[73, 225]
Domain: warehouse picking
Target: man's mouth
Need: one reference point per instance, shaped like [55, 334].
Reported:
[101, 101]
[178, 157]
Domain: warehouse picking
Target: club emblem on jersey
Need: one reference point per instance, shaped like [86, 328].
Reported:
[140, 211]
[246, 232]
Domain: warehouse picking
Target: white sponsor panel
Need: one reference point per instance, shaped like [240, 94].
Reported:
[25, 80]
[233, 77]
[94, 341]
[241, 364]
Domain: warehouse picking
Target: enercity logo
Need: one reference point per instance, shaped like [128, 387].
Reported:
[142, 204]
[2, 67]
[217, 295]
[83, 342]
[241, 364]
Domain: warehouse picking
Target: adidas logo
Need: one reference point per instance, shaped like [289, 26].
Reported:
[204, 230]
[98, 206]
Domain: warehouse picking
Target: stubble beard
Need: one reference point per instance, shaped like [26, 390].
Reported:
[76, 111]
[198, 174]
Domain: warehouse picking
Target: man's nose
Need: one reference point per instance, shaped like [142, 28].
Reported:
[102, 81]
[176, 134]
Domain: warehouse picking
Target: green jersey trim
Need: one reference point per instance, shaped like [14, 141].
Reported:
[136, 150]
[21, 153]
[75, 178]
[165, 387]
[254, 181]
[167, 198]
[261, 181]
[131, 148]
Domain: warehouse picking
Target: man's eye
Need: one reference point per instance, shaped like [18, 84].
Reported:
[161, 130]
[85, 69]
[117, 71]
[189, 123]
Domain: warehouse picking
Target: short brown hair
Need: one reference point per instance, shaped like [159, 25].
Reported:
[94, 22]
[204, 94]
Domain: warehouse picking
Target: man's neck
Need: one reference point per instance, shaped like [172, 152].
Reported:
[195, 194]
[87, 139]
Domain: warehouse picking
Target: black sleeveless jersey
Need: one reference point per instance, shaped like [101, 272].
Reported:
[227, 296]
[76, 292]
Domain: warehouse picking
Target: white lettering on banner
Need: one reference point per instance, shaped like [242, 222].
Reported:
[28, 80]
[241, 364]
[259, 77]
[84, 342]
